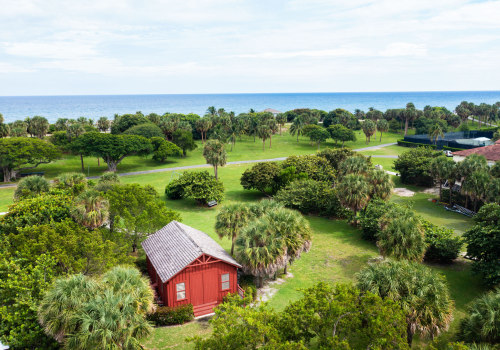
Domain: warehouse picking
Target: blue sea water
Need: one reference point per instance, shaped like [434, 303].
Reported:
[53, 107]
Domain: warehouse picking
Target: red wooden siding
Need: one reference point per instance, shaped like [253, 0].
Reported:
[203, 284]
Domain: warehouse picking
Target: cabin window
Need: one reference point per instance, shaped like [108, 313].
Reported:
[225, 281]
[180, 288]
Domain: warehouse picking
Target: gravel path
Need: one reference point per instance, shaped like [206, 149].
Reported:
[187, 167]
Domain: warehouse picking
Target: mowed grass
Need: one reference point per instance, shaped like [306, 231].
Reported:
[245, 149]
[337, 254]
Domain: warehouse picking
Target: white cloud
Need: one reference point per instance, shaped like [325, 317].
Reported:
[404, 49]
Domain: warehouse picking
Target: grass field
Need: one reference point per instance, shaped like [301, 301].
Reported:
[337, 253]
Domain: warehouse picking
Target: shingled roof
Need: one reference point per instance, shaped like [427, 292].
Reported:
[176, 245]
[491, 153]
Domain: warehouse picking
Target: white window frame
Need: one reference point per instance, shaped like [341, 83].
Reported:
[225, 281]
[180, 290]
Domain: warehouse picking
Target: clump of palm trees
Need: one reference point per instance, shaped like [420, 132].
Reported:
[98, 313]
[267, 236]
[479, 183]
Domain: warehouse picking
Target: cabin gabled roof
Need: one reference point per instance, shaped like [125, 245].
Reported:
[176, 245]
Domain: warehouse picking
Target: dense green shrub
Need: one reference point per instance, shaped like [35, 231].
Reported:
[316, 168]
[198, 185]
[35, 211]
[311, 197]
[414, 166]
[404, 143]
[31, 186]
[162, 149]
[335, 156]
[126, 121]
[147, 130]
[262, 177]
[483, 243]
[169, 316]
[369, 218]
[442, 247]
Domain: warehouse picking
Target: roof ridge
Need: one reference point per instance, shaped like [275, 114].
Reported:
[188, 236]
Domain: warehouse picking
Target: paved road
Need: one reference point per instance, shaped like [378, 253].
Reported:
[187, 167]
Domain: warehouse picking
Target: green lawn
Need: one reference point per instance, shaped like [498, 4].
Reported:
[337, 252]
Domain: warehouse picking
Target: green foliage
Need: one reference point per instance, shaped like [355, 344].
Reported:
[401, 235]
[370, 218]
[37, 126]
[36, 211]
[169, 316]
[335, 156]
[230, 220]
[215, 154]
[482, 321]
[137, 211]
[147, 130]
[442, 246]
[353, 192]
[262, 177]
[483, 243]
[316, 167]
[422, 293]
[109, 313]
[112, 148]
[340, 316]
[126, 121]
[311, 197]
[184, 139]
[22, 286]
[21, 153]
[338, 132]
[73, 183]
[198, 185]
[414, 166]
[106, 181]
[318, 135]
[164, 149]
[74, 248]
[90, 209]
[31, 186]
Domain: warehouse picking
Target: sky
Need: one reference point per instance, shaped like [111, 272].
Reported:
[50, 47]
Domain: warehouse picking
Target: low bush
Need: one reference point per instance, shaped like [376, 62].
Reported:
[169, 316]
[442, 247]
[262, 177]
[198, 185]
[369, 218]
[311, 197]
[414, 144]
[316, 168]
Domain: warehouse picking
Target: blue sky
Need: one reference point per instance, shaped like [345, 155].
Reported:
[221, 46]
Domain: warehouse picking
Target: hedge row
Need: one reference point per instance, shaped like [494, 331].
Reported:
[169, 316]
[453, 149]
[414, 144]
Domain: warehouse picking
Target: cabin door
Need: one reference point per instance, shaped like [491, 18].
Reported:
[197, 287]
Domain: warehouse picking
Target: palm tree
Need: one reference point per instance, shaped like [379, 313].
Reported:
[57, 308]
[435, 131]
[409, 114]
[469, 165]
[422, 293]
[482, 320]
[451, 171]
[264, 132]
[127, 281]
[477, 185]
[401, 235]
[273, 128]
[211, 111]
[494, 191]
[369, 129]
[440, 170]
[381, 184]
[382, 126]
[215, 154]
[353, 165]
[260, 251]
[293, 229]
[297, 126]
[353, 192]
[90, 209]
[31, 186]
[281, 120]
[230, 220]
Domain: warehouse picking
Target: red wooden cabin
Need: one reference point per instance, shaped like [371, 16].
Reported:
[187, 266]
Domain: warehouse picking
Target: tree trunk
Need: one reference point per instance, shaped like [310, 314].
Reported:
[98, 161]
[270, 141]
[409, 335]
[380, 136]
[406, 126]
[232, 247]
[81, 159]
[466, 200]
[285, 271]
[343, 144]
[111, 166]
[440, 190]
[263, 144]
[297, 137]
[215, 171]
[280, 129]
[8, 174]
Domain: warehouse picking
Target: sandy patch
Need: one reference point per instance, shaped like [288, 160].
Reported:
[432, 190]
[268, 290]
[403, 192]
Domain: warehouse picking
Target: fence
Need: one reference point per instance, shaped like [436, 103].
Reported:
[459, 139]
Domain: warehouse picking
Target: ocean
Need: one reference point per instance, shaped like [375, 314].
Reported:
[54, 107]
